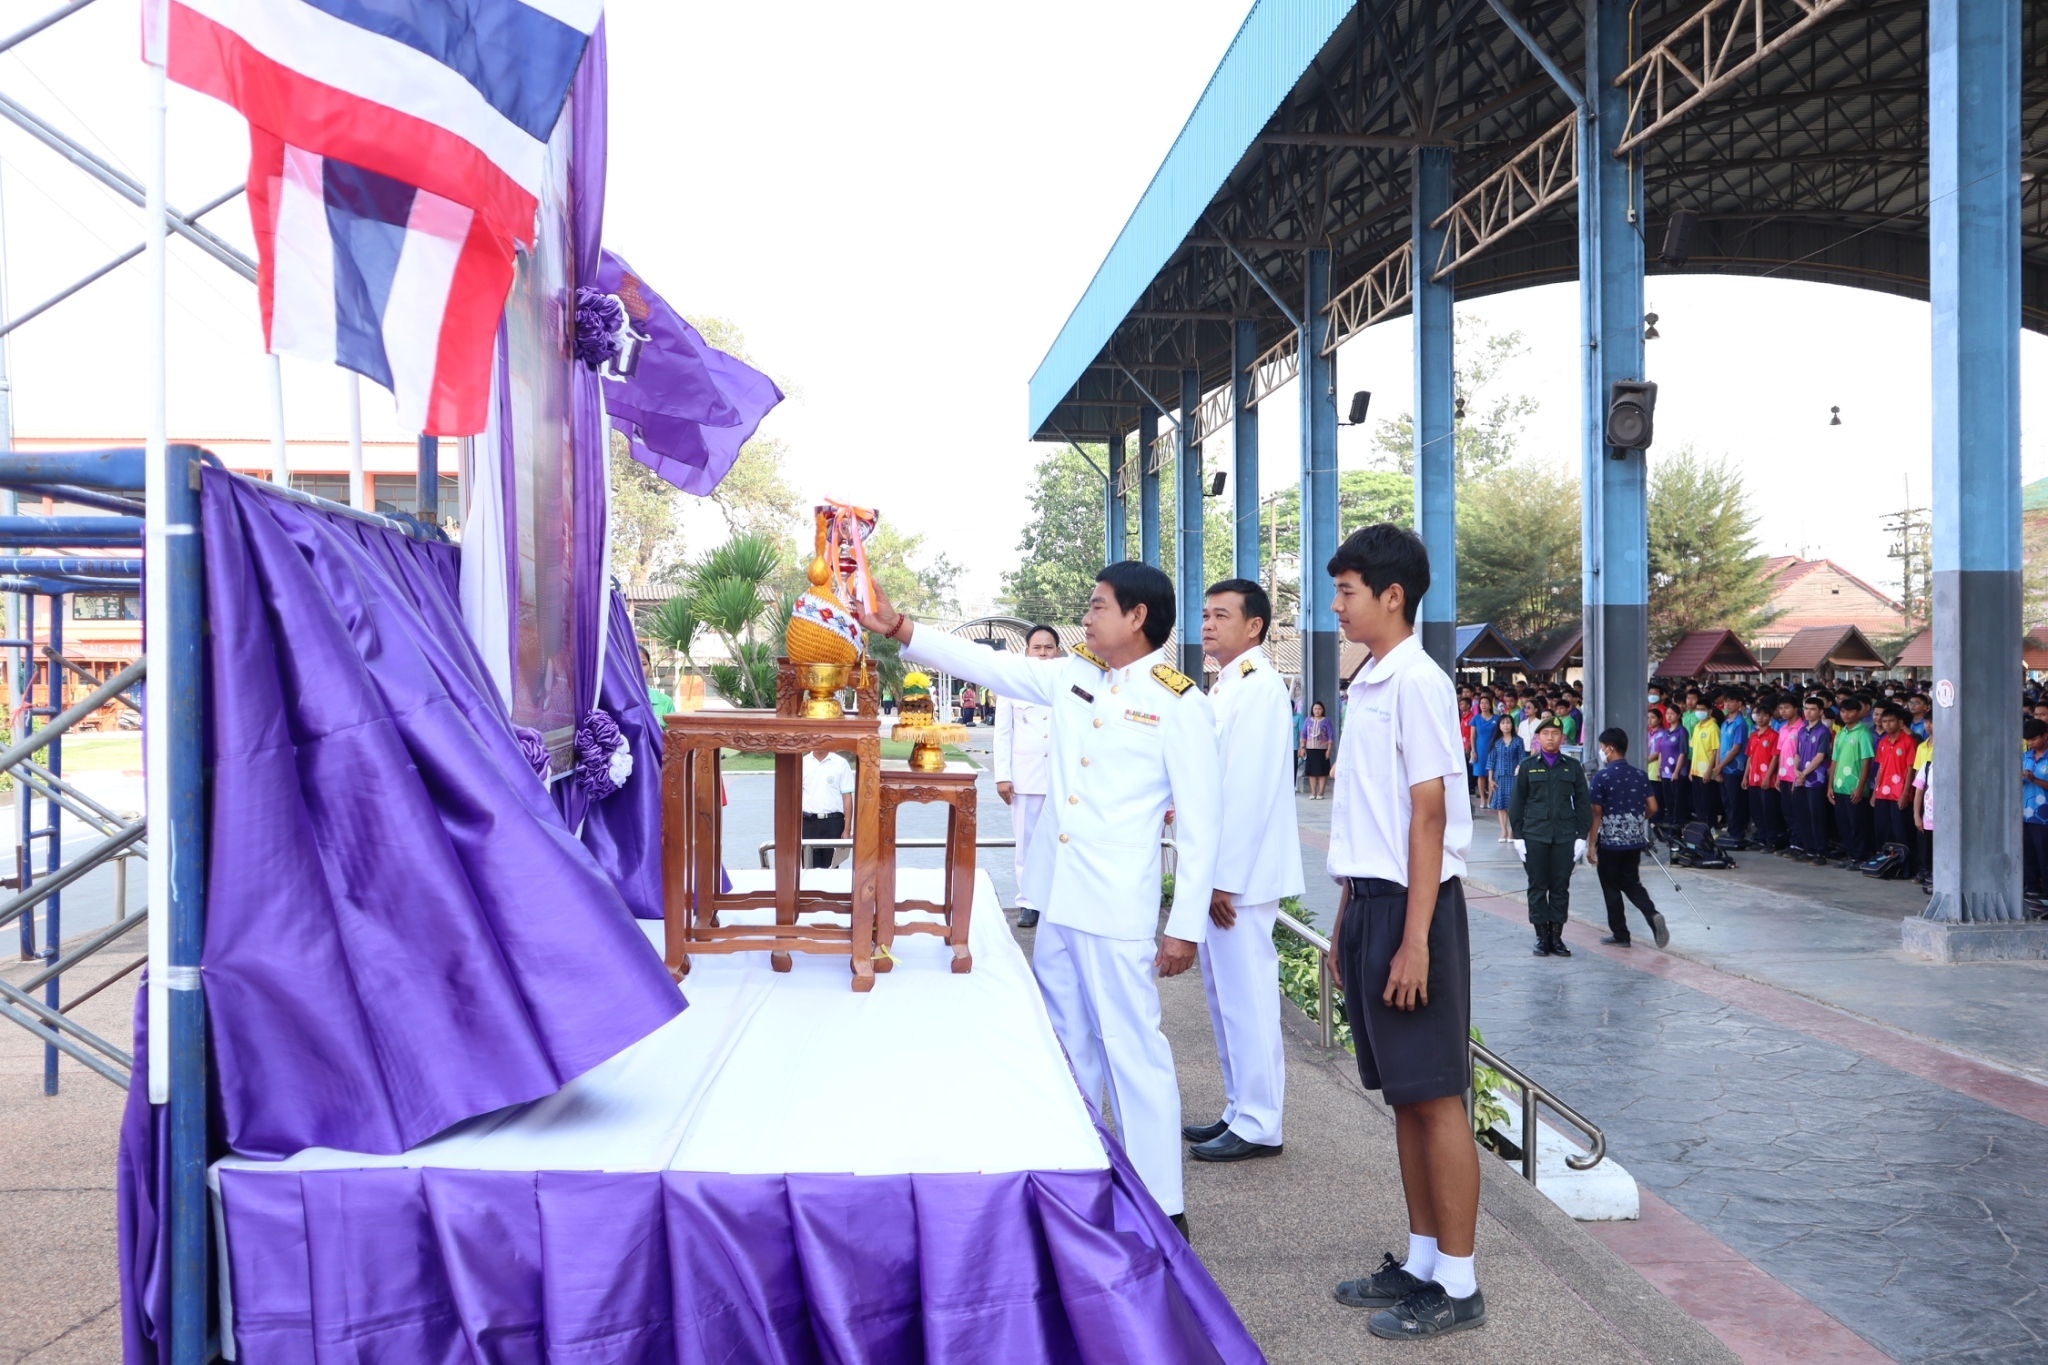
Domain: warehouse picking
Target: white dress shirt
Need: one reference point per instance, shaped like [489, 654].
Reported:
[1259, 858]
[1126, 748]
[1400, 729]
[1023, 745]
[826, 782]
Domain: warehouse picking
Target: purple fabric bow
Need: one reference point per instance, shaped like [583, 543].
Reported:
[598, 740]
[535, 747]
[599, 320]
[687, 408]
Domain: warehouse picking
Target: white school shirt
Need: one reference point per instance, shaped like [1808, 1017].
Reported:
[1259, 859]
[1400, 729]
[1126, 747]
[825, 783]
[1023, 745]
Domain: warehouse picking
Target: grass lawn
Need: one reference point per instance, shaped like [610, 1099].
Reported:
[732, 761]
[100, 753]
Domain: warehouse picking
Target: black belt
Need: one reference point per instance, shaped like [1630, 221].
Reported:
[1376, 886]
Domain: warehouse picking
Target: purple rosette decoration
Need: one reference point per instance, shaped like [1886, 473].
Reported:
[603, 759]
[600, 318]
[535, 746]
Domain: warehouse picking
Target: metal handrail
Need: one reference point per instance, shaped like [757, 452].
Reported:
[1532, 1093]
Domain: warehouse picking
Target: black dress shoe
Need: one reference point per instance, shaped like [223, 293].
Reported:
[1557, 944]
[1204, 1132]
[1230, 1147]
[1180, 1220]
[1027, 918]
[1542, 948]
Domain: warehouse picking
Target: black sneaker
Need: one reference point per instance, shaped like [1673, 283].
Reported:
[1615, 941]
[1384, 1288]
[1428, 1312]
[1659, 930]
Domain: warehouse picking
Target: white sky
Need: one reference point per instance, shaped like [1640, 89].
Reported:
[898, 206]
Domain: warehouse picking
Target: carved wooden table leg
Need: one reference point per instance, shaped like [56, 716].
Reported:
[867, 807]
[960, 835]
[789, 850]
[885, 880]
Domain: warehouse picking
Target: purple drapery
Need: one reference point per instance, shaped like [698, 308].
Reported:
[623, 831]
[142, 1183]
[662, 1268]
[689, 407]
[401, 932]
[591, 446]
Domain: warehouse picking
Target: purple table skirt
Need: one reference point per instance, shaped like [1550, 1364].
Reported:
[419, 1267]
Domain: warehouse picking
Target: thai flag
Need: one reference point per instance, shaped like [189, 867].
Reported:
[397, 153]
[400, 285]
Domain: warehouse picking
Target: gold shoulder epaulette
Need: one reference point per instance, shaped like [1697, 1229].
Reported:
[1246, 668]
[1172, 679]
[1090, 656]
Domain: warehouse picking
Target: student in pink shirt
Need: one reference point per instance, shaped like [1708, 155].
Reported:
[1788, 772]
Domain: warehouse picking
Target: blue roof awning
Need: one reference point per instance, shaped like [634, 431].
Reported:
[1273, 47]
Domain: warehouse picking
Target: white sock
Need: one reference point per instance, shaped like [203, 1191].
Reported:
[1455, 1274]
[1422, 1256]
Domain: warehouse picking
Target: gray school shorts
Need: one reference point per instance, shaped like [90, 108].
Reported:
[1408, 1055]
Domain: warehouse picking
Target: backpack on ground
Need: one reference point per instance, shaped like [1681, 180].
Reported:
[1888, 864]
[1695, 847]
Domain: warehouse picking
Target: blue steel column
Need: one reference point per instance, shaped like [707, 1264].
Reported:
[25, 695]
[53, 858]
[1615, 517]
[1318, 491]
[427, 496]
[1974, 286]
[184, 844]
[1188, 491]
[1244, 452]
[1113, 502]
[1148, 487]
[1436, 380]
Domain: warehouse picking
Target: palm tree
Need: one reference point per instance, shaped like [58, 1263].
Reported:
[725, 592]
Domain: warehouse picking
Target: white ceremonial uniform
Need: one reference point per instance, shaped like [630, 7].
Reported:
[1023, 751]
[1257, 862]
[1126, 747]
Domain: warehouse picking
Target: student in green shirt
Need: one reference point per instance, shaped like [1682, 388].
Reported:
[656, 698]
[1855, 757]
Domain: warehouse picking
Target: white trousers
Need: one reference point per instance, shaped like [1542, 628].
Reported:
[1024, 810]
[1241, 976]
[1104, 1003]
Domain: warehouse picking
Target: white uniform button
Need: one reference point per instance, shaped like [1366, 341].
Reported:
[1098, 723]
[1063, 838]
[1073, 800]
[1084, 762]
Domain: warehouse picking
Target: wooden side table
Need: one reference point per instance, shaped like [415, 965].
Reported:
[692, 827]
[954, 787]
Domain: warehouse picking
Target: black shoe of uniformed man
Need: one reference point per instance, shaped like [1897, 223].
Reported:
[1228, 1146]
[1204, 1132]
[1027, 918]
[1557, 944]
[1428, 1312]
[1542, 948]
[1384, 1288]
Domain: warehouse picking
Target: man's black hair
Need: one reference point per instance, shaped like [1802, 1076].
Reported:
[2032, 728]
[1615, 738]
[1256, 603]
[1383, 555]
[1033, 630]
[1137, 585]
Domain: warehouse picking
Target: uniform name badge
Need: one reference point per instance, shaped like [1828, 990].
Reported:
[1142, 717]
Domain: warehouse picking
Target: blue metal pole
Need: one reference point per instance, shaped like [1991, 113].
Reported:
[184, 845]
[1436, 380]
[1113, 502]
[1615, 516]
[1148, 486]
[53, 858]
[1189, 495]
[1974, 286]
[1244, 451]
[24, 693]
[428, 499]
[1318, 491]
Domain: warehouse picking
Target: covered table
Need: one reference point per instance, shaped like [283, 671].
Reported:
[785, 1172]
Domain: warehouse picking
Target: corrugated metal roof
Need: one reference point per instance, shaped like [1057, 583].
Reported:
[1271, 51]
[1707, 651]
[1815, 646]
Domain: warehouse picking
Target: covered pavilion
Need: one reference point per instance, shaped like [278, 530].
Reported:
[1348, 163]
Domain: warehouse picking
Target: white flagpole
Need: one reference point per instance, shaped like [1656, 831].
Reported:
[358, 486]
[280, 472]
[157, 596]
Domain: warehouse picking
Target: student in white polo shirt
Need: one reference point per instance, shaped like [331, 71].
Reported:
[1399, 829]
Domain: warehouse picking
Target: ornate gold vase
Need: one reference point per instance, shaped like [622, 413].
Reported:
[819, 682]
